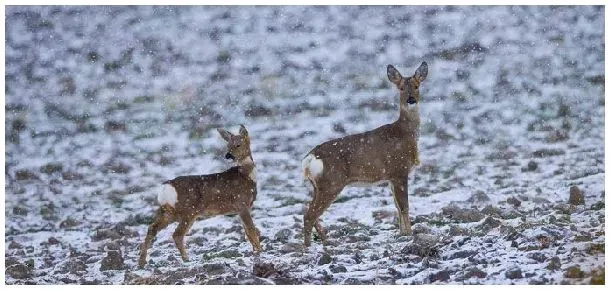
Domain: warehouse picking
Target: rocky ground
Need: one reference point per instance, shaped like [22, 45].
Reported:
[104, 103]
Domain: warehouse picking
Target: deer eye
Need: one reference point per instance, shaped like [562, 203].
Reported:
[237, 145]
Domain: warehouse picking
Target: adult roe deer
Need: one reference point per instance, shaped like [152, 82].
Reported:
[185, 198]
[385, 154]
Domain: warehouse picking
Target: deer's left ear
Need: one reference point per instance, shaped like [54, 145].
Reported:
[225, 134]
[421, 72]
[243, 131]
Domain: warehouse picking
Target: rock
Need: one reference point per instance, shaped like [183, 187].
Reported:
[574, 272]
[325, 259]
[71, 175]
[554, 264]
[537, 256]
[14, 245]
[489, 223]
[337, 269]
[442, 276]
[423, 245]
[68, 223]
[25, 174]
[420, 229]
[513, 201]
[263, 270]
[20, 211]
[462, 254]
[491, 211]
[478, 197]
[230, 253]
[576, 196]
[74, 266]
[214, 269]
[338, 127]
[455, 230]
[19, 271]
[113, 261]
[283, 235]
[514, 273]
[532, 165]
[463, 215]
[53, 241]
[474, 272]
[290, 247]
[51, 168]
[255, 111]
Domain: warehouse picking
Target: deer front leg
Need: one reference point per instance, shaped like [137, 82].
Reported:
[401, 199]
[163, 219]
[251, 231]
[183, 227]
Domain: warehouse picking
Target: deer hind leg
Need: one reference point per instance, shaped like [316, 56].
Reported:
[251, 231]
[322, 199]
[165, 216]
[401, 199]
[183, 227]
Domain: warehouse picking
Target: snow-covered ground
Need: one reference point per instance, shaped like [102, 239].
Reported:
[104, 103]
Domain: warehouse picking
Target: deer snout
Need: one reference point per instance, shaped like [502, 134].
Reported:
[411, 101]
[229, 156]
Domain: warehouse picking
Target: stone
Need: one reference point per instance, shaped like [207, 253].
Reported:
[514, 273]
[574, 272]
[214, 269]
[337, 269]
[113, 261]
[474, 272]
[325, 259]
[478, 197]
[576, 196]
[442, 276]
[283, 235]
[532, 165]
[463, 215]
[554, 264]
[19, 271]
[513, 201]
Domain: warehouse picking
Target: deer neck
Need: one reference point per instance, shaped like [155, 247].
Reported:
[409, 118]
[246, 167]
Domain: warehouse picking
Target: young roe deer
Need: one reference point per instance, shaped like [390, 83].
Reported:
[185, 198]
[385, 154]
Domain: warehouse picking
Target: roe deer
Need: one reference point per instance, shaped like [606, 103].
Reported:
[385, 154]
[185, 198]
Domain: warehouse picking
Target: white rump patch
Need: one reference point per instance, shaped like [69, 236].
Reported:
[312, 166]
[167, 195]
[252, 174]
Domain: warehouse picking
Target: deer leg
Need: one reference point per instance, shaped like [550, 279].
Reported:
[251, 231]
[320, 202]
[321, 231]
[183, 227]
[163, 219]
[401, 199]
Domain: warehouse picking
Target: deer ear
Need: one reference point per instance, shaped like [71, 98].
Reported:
[243, 131]
[393, 75]
[225, 134]
[421, 72]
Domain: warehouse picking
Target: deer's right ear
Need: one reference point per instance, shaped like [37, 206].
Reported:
[225, 134]
[393, 75]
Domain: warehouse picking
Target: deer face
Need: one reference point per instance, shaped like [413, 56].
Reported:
[238, 146]
[408, 87]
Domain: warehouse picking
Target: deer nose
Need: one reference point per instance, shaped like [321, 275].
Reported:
[229, 156]
[411, 100]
